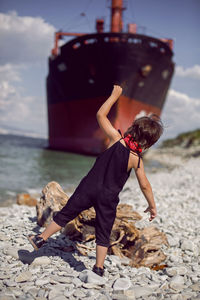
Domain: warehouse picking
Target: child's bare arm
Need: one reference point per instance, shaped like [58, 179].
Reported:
[146, 189]
[102, 113]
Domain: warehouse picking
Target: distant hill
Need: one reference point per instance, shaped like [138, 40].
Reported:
[184, 140]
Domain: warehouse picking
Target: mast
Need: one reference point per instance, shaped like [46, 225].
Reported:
[116, 16]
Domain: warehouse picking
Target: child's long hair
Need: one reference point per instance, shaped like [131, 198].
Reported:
[146, 130]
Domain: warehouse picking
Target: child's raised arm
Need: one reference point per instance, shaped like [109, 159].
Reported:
[102, 113]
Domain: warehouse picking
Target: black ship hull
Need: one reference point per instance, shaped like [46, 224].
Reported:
[82, 75]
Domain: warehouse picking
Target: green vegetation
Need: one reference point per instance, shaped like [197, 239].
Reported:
[185, 140]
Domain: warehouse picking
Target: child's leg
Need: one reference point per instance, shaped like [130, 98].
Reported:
[105, 217]
[52, 228]
[37, 241]
[101, 252]
[76, 204]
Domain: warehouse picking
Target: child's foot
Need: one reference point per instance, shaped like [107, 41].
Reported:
[36, 241]
[99, 271]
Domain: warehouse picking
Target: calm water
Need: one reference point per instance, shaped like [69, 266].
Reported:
[26, 166]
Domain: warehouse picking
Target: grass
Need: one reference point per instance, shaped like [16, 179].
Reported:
[186, 140]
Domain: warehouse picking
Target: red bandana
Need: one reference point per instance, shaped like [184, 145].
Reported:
[131, 144]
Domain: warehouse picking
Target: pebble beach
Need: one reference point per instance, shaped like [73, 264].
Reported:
[51, 273]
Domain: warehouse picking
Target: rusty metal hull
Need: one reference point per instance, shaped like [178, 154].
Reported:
[81, 78]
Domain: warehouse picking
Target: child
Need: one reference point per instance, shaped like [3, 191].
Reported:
[101, 186]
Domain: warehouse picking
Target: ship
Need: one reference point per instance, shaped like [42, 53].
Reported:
[82, 73]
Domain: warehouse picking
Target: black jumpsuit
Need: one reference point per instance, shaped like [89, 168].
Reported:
[100, 188]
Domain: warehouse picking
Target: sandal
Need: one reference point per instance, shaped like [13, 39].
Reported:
[36, 241]
[99, 271]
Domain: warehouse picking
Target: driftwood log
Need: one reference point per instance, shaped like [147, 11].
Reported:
[142, 247]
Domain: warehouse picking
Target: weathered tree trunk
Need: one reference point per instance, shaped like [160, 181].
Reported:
[52, 200]
[142, 247]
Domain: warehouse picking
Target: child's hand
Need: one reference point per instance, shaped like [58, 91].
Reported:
[116, 92]
[153, 212]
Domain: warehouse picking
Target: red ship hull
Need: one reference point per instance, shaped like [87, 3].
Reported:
[76, 129]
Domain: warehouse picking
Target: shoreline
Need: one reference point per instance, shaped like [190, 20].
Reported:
[155, 160]
[172, 157]
[53, 274]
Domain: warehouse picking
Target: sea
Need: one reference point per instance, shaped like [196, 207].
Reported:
[27, 165]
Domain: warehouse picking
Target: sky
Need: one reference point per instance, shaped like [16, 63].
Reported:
[26, 38]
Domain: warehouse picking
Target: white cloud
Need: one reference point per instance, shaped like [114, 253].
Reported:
[181, 113]
[13, 105]
[24, 39]
[193, 72]
[24, 42]
[18, 110]
[10, 72]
